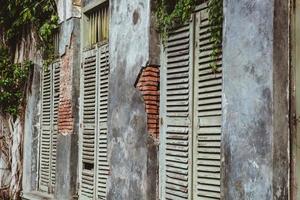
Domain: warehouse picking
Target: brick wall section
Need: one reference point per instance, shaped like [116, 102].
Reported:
[65, 114]
[148, 84]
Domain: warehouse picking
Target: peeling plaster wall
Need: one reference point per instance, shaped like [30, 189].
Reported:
[132, 152]
[31, 131]
[68, 116]
[255, 100]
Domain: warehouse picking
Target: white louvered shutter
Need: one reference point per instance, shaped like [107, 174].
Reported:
[94, 170]
[49, 130]
[56, 92]
[191, 114]
[88, 125]
[208, 111]
[176, 114]
[45, 135]
[102, 169]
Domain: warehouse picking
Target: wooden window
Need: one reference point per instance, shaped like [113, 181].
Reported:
[191, 113]
[93, 136]
[95, 24]
[48, 134]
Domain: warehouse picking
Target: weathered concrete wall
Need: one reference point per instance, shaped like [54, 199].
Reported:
[67, 142]
[132, 152]
[255, 100]
[31, 132]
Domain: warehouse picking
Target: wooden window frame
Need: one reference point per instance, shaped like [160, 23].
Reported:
[86, 10]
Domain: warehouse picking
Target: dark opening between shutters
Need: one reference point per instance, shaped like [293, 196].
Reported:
[88, 166]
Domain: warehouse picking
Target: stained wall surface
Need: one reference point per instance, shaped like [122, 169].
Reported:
[255, 100]
[132, 152]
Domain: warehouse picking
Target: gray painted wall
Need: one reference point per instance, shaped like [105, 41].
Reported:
[31, 131]
[255, 100]
[132, 153]
[67, 145]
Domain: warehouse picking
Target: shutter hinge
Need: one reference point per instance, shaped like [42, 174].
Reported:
[161, 121]
[295, 119]
[76, 196]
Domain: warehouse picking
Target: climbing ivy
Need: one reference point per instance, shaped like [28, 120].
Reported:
[19, 18]
[13, 77]
[215, 17]
[170, 14]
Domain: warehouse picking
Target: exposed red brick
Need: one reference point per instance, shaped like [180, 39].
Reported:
[149, 88]
[152, 103]
[148, 84]
[153, 116]
[152, 79]
[65, 108]
[152, 74]
[152, 93]
[152, 98]
[152, 69]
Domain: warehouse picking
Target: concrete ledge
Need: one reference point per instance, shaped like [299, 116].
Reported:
[36, 195]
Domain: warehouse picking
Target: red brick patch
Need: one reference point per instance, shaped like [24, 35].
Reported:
[148, 84]
[65, 108]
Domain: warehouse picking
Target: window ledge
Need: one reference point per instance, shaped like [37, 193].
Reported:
[36, 195]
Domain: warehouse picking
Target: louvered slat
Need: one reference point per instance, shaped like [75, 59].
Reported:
[89, 126]
[207, 133]
[176, 132]
[102, 169]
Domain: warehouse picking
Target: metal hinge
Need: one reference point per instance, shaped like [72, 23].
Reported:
[295, 119]
[161, 121]
[76, 196]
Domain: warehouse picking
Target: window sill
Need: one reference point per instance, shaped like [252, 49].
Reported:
[36, 195]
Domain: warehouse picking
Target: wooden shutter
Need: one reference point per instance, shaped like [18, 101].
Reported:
[89, 125]
[94, 167]
[191, 113]
[208, 111]
[176, 113]
[45, 136]
[55, 96]
[102, 165]
[48, 138]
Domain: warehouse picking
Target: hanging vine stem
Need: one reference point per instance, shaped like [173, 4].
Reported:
[215, 17]
[170, 14]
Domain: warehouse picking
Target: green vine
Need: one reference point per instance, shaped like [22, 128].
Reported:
[171, 14]
[18, 19]
[13, 78]
[215, 17]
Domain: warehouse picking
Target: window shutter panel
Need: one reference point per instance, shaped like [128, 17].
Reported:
[48, 137]
[45, 137]
[176, 110]
[102, 164]
[89, 125]
[56, 92]
[94, 170]
[208, 111]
